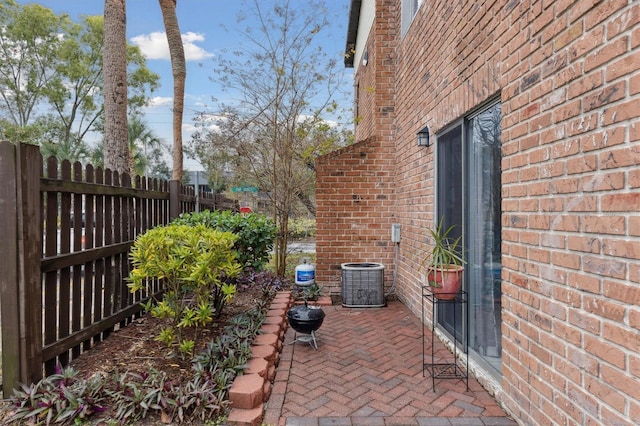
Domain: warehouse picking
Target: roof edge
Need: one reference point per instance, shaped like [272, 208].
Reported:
[352, 33]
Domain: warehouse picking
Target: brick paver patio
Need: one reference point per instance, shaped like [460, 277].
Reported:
[368, 371]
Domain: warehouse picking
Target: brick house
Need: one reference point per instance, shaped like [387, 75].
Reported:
[532, 110]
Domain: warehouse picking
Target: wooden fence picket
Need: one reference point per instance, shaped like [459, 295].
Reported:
[67, 231]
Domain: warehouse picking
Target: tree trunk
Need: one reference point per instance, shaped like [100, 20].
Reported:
[116, 139]
[306, 201]
[179, 69]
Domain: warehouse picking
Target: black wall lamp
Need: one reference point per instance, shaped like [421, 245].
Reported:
[423, 136]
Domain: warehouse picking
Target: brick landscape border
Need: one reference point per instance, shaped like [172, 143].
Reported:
[259, 384]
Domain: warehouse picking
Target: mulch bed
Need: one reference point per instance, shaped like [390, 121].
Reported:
[134, 348]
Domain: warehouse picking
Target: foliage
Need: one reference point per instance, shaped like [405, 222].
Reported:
[302, 227]
[59, 398]
[194, 261]
[205, 395]
[28, 48]
[267, 281]
[134, 395]
[51, 78]
[285, 85]
[255, 233]
[312, 292]
[147, 150]
[445, 250]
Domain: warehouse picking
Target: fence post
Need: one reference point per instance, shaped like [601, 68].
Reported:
[20, 257]
[174, 199]
[9, 268]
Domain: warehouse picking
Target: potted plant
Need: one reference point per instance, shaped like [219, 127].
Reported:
[444, 263]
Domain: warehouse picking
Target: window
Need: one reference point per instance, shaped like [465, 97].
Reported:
[409, 9]
[468, 195]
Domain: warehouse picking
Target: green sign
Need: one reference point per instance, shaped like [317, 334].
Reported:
[244, 189]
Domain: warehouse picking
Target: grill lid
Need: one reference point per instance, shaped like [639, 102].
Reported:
[305, 313]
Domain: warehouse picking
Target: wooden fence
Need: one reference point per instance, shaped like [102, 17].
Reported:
[66, 234]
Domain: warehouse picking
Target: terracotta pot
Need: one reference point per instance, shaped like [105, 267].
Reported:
[445, 282]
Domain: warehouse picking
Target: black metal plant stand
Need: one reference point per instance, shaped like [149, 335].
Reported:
[447, 370]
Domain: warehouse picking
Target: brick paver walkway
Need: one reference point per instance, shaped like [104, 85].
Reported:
[368, 371]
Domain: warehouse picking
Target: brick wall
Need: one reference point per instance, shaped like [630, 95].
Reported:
[374, 82]
[567, 75]
[355, 209]
[355, 189]
[571, 153]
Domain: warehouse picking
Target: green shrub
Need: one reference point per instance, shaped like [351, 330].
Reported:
[134, 395]
[196, 263]
[255, 232]
[293, 260]
[302, 228]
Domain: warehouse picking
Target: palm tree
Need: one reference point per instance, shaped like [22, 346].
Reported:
[145, 146]
[141, 140]
[176, 50]
[116, 140]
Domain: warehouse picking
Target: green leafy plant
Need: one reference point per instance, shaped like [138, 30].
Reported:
[255, 232]
[302, 228]
[195, 263]
[59, 398]
[445, 249]
[136, 394]
[132, 396]
[312, 292]
[444, 263]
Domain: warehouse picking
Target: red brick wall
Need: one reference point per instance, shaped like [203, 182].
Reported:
[374, 83]
[355, 189]
[355, 209]
[571, 151]
[567, 75]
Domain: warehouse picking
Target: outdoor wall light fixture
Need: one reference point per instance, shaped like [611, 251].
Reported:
[423, 136]
[365, 58]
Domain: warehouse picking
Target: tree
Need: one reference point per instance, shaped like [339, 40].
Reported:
[143, 145]
[29, 45]
[179, 69]
[285, 83]
[146, 148]
[116, 146]
[56, 140]
[78, 103]
[51, 79]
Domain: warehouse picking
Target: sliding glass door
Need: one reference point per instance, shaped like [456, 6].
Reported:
[450, 210]
[468, 195]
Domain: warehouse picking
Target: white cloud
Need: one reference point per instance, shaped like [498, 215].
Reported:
[155, 46]
[191, 51]
[160, 101]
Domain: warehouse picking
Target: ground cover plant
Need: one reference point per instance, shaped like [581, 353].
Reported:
[132, 378]
[212, 308]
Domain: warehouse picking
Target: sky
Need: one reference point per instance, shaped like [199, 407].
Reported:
[202, 25]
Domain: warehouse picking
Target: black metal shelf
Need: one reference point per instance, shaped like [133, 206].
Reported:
[446, 370]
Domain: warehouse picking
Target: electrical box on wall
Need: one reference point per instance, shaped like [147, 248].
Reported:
[395, 232]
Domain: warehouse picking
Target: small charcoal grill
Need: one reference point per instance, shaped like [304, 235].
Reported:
[306, 320]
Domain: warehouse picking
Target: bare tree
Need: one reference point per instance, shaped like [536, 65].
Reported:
[116, 139]
[285, 83]
[176, 50]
